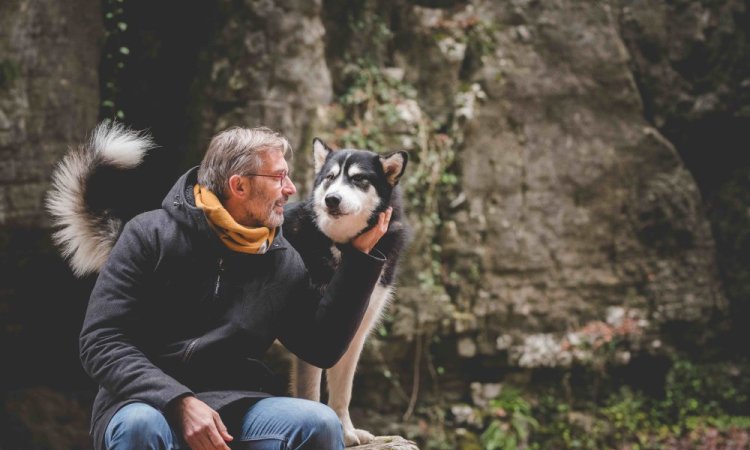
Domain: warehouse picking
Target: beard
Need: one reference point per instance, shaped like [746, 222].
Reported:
[265, 212]
[273, 217]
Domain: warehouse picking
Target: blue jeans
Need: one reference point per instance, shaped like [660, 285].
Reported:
[277, 423]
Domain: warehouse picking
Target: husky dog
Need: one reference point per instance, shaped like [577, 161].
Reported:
[351, 188]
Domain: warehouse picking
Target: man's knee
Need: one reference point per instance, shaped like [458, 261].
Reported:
[302, 424]
[322, 427]
[138, 426]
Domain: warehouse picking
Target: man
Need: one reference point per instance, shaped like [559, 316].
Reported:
[192, 296]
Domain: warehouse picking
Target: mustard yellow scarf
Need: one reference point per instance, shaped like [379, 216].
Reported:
[235, 236]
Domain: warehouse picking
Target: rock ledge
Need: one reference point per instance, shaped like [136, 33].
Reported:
[388, 443]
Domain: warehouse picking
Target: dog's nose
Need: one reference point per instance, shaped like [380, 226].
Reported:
[333, 200]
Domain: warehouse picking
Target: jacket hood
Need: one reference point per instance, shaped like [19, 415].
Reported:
[180, 204]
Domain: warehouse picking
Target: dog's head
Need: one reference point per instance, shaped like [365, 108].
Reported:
[352, 187]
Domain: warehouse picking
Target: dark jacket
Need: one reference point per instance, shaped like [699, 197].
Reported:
[175, 312]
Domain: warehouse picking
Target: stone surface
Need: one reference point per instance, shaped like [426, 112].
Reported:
[692, 64]
[388, 443]
[268, 68]
[690, 59]
[570, 201]
[574, 202]
[49, 95]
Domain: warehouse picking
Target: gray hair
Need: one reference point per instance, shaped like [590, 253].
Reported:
[234, 152]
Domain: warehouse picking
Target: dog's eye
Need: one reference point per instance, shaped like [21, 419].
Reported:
[330, 176]
[358, 178]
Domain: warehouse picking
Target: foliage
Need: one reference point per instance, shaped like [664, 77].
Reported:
[512, 422]
[701, 405]
[380, 112]
[369, 105]
[480, 37]
[438, 437]
[704, 390]
[699, 400]
[114, 58]
[378, 108]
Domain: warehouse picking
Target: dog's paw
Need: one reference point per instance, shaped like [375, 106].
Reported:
[365, 437]
[354, 437]
[350, 437]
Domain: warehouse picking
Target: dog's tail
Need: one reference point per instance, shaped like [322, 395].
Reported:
[87, 234]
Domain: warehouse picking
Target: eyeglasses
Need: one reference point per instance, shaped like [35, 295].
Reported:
[281, 177]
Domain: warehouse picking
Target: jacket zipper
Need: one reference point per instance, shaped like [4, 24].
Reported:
[218, 278]
[191, 347]
[190, 350]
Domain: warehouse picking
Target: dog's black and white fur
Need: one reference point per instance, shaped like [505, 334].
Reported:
[87, 221]
[351, 188]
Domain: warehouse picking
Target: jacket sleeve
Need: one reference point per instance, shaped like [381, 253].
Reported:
[108, 341]
[319, 328]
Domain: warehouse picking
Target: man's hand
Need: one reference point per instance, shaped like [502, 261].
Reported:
[367, 240]
[201, 426]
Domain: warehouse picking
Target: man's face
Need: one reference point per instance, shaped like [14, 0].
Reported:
[265, 204]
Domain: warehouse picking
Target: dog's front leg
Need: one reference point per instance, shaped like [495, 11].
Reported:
[341, 376]
[305, 380]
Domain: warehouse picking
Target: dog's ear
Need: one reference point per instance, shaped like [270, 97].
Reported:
[394, 165]
[320, 153]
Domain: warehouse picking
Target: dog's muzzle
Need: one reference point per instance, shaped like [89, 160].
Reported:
[333, 204]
